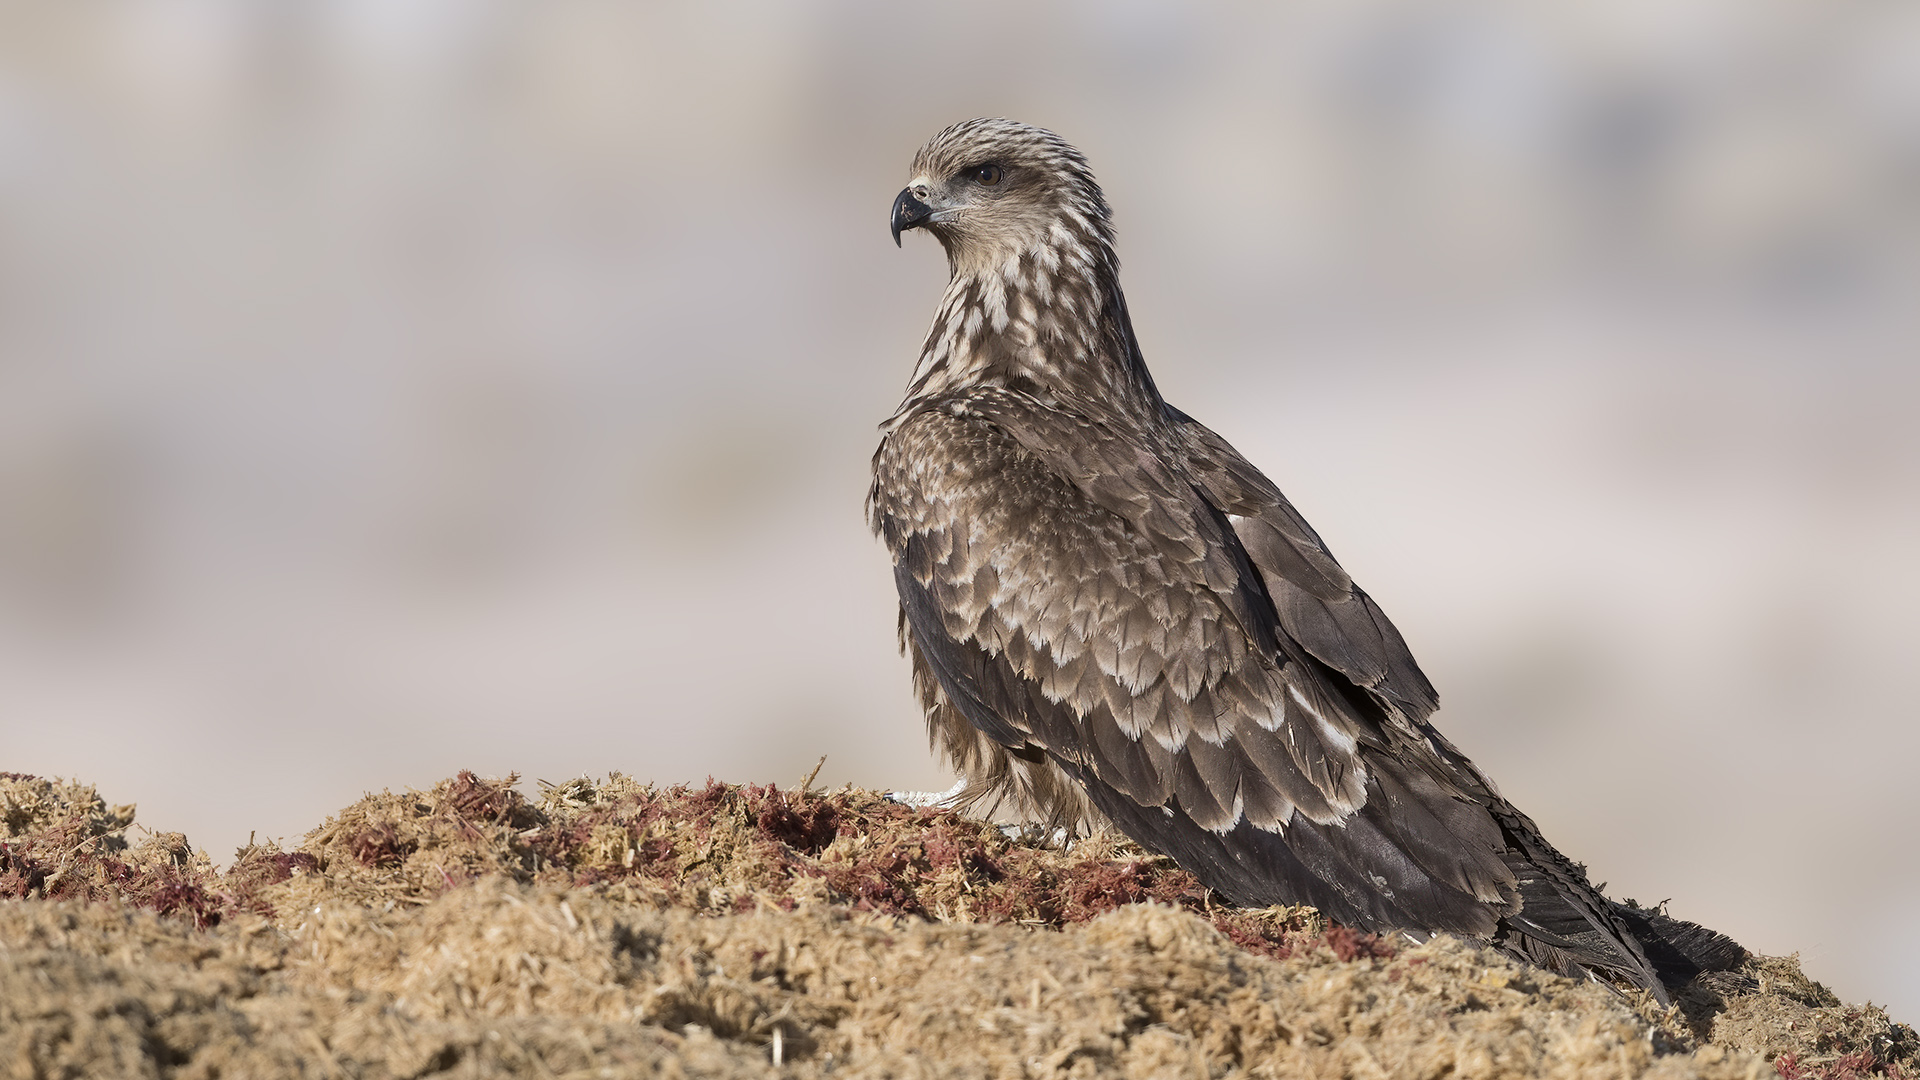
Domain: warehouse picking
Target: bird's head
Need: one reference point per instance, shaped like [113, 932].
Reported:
[993, 189]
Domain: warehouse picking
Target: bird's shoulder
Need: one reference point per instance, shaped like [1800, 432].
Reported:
[980, 439]
[977, 426]
[944, 461]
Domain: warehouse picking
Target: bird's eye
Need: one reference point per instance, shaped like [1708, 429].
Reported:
[987, 174]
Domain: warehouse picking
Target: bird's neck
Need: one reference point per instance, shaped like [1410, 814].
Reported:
[1051, 321]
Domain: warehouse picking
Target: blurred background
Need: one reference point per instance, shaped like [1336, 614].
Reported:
[389, 387]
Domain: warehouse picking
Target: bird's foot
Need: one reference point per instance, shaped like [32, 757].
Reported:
[928, 800]
[1038, 836]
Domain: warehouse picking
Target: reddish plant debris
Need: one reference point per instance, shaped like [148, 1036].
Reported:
[1859, 1065]
[255, 868]
[1350, 944]
[43, 868]
[186, 898]
[492, 801]
[380, 845]
[806, 825]
[20, 875]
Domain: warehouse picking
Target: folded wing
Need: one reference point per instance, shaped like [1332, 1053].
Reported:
[1071, 594]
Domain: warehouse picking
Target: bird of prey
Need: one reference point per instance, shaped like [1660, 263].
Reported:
[1113, 616]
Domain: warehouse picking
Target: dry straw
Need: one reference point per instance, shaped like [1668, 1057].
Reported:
[614, 929]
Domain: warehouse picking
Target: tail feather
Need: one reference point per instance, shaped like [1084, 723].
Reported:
[1564, 924]
[1679, 950]
[1567, 925]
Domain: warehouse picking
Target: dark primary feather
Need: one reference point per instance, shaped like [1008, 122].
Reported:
[1113, 616]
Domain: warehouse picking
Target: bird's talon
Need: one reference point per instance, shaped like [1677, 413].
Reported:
[928, 800]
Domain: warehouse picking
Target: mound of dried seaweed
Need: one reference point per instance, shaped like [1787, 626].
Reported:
[612, 928]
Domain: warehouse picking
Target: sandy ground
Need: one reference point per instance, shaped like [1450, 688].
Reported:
[614, 929]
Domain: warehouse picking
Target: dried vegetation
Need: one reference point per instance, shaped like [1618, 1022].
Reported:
[615, 929]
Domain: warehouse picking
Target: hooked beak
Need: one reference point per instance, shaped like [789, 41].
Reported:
[908, 213]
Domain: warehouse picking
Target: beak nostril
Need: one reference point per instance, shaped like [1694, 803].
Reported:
[920, 191]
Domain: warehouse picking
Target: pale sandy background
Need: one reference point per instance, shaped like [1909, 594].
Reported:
[389, 387]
